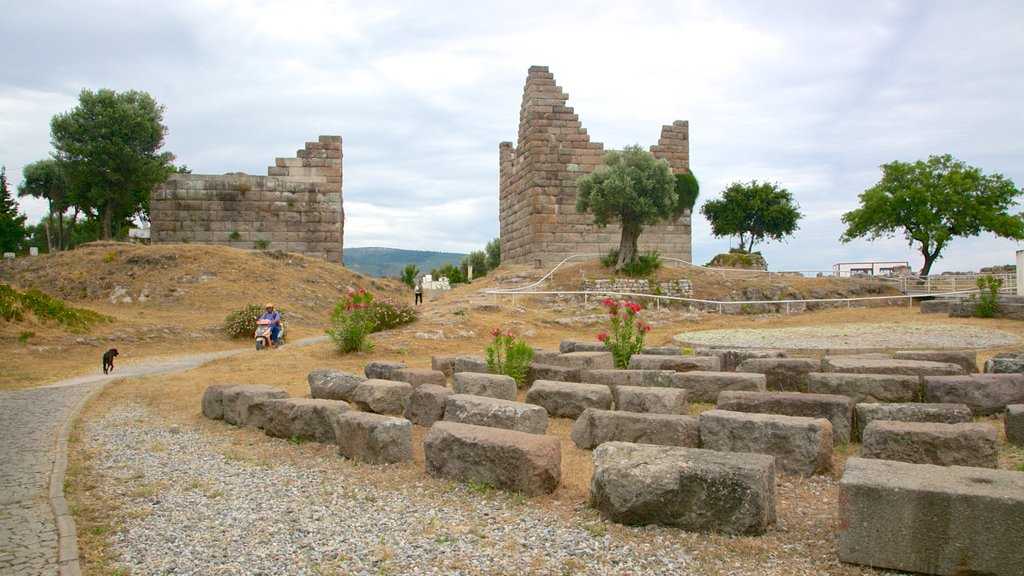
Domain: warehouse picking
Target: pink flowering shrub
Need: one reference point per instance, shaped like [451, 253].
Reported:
[627, 334]
[358, 315]
[510, 356]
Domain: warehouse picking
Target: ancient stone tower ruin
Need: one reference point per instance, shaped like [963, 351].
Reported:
[296, 207]
[537, 202]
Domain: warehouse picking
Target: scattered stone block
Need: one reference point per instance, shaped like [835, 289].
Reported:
[303, 418]
[965, 444]
[444, 363]
[836, 409]
[419, 376]
[984, 394]
[931, 519]
[705, 386]
[1005, 363]
[475, 364]
[661, 351]
[213, 401]
[801, 446]
[595, 427]
[507, 459]
[937, 306]
[243, 404]
[495, 413]
[373, 438]
[966, 359]
[652, 400]
[544, 356]
[568, 399]
[586, 360]
[866, 387]
[552, 372]
[781, 374]
[1014, 424]
[382, 369]
[731, 358]
[567, 346]
[688, 488]
[613, 377]
[330, 384]
[863, 364]
[426, 404]
[675, 363]
[909, 412]
[382, 396]
[490, 385]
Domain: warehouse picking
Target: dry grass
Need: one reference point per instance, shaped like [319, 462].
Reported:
[190, 290]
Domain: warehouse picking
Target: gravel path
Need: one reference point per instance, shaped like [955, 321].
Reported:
[904, 336]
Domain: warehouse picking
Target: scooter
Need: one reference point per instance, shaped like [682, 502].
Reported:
[262, 335]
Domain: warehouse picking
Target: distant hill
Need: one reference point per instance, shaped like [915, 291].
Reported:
[388, 262]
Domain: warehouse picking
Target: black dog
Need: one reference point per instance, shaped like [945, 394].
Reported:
[108, 360]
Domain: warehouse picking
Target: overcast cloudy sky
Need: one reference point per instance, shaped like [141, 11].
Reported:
[813, 95]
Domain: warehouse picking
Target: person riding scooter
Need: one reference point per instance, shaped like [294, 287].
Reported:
[274, 318]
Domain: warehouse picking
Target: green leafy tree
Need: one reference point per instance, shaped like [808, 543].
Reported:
[450, 271]
[754, 212]
[493, 250]
[109, 149]
[45, 179]
[632, 188]
[933, 202]
[409, 275]
[478, 260]
[12, 224]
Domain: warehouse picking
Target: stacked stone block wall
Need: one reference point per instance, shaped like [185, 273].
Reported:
[537, 198]
[676, 288]
[296, 207]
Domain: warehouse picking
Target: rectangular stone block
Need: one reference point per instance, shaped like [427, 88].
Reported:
[867, 413]
[568, 399]
[705, 386]
[650, 399]
[242, 404]
[931, 519]
[302, 418]
[836, 409]
[426, 404]
[731, 358]
[507, 459]
[866, 387]
[495, 413]
[687, 488]
[965, 444]
[801, 446]
[615, 377]
[490, 385]
[984, 394]
[966, 359]
[382, 396]
[585, 360]
[1014, 424]
[373, 438]
[419, 376]
[781, 374]
[675, 363]
[539, 371]
[477, 364]
[595, 427]
[862, 364]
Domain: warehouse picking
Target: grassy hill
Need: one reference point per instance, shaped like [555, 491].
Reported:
[388, 262]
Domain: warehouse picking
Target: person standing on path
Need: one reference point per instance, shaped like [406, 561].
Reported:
[418, 291]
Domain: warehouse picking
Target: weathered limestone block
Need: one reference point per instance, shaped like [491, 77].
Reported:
[567, 346]
[595, 427]
[931, 519]
[382, 396]
[381, 369]
[984, 394]
[866, 387]
[544, 356]
[373, 438]
[863, 364]
[490, 385]
[495, 413]
[1014, 424]
[649, 399]
[661, 351]
[705, 386]
[966, 359]
[1005, 363]
[303, 418]
[476, 364]
[418, 376]
[836, 409]
[507, 459]
[443, 362]
[781, 374]
[965, 444]
[688, 488]
[731, 358]
[243, 404]
[331, 384]
[585, 360]
[613, 377]
[552, 372]
[426, 404]
[937, 306]
[568, 399]
[909, 412]
[676, 363]
[213, 401]
[801, 446]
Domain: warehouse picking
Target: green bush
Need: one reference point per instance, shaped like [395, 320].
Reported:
[987, 298]
[359, 314]
[242, 323]
[643, 265]
[510, 356]
[14, 305]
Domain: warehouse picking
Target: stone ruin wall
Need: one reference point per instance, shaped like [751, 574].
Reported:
[537, 199]
[296, 207]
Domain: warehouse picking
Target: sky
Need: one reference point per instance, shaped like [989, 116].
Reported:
[814, 96]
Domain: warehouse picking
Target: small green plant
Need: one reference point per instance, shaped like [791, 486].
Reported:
[236, 235]
[24, 336]
[510, 356]
[409, 274]
[597, 530]
[109, 257]
[627, 334]
[352, 322]
[610, 259]
[987, 299]
[644, 265]
[483, 487]
[260, 244]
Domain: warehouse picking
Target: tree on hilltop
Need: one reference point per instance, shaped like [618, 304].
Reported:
[45, 179]
[933, 202]
[12, 224]
[753, 211]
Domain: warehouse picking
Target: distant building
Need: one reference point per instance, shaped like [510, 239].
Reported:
[846, 269]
